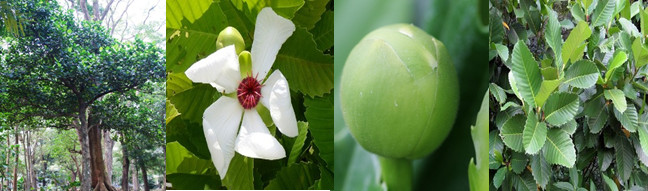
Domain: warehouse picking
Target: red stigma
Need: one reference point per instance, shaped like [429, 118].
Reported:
[249, 92]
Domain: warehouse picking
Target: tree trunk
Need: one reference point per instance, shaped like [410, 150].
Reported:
[28, 179]
[82, 131]
[144, 176]
[99, 181]
[125, 166]
[135, 182]
[108, 154]
[15, 170]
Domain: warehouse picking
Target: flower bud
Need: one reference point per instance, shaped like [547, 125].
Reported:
[399, 92]
[230, 36]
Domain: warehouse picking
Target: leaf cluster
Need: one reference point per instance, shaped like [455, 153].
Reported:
[568, 95]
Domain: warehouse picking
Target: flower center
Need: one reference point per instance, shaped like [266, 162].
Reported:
[249, 92]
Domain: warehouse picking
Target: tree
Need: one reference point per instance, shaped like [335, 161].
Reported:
[78, 63]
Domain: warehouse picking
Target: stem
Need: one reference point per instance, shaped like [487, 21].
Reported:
[396, 173]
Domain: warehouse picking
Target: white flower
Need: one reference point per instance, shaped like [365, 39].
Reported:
[221, 119]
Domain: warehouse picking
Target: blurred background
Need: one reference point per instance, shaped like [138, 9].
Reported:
[463, 28]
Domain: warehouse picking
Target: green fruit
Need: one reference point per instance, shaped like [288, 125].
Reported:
[230, 36]
[399, 92]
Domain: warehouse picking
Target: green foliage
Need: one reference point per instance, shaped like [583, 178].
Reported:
[306, 61]
[591, 126]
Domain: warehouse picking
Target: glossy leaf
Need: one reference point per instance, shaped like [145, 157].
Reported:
[625, 159]
[618, 99]
[541, 170]
[573, 48]
[640, 53]
[512, 133]
[628, 118]
[619, 58]
[603, 12]
[559, 148]
[534, 135]
[582, 74]
[526, 72]
[553, 35]
[560, 108]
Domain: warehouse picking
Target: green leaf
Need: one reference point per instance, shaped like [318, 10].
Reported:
[186, 171]
[643, 15]
[546, 88]
[323, 31]
[500, 175]
[560, 108]
[176, 83]
[523, 182]
[582, 74]
[570, 127]
[577, 13]
[179, 10]
[531, 14]
[574, 46]
[628, 27]
[306, 68]
[518, 162]
[603, 12]
[193, 102]
[553, 35]
[319, 112]
[541, 170]
[296, 177]
[564, 186]
[240, 176]
[498, 93]
[628, 118]
[512, 133]
[355, 164]
[643, 132]
[619, 58]
[180, 160]
[559, 148]
[610, 183]
[534, 135]
[549, 73]
[310, 13]
[625, 158]
[193, 182]
[495, 27]
[597, 114]
[618, 99]
[526, 72]
[502, 51]
[171, 112]
[296, 150]
[640, 53]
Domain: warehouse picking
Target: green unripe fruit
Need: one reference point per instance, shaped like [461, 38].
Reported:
[230, 36]
[399, 92]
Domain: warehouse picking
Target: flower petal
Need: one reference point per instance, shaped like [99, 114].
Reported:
[220, 69]
[220, 124]
[270, 33]
[276, 97]
[255, 141]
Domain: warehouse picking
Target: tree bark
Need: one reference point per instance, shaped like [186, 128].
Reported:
[15, 170]
[135, 182]
[125, 166]
[84, 9]
[144, 176]
[99, 180]
[108, 154]
[28, 179]
[82, 131]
